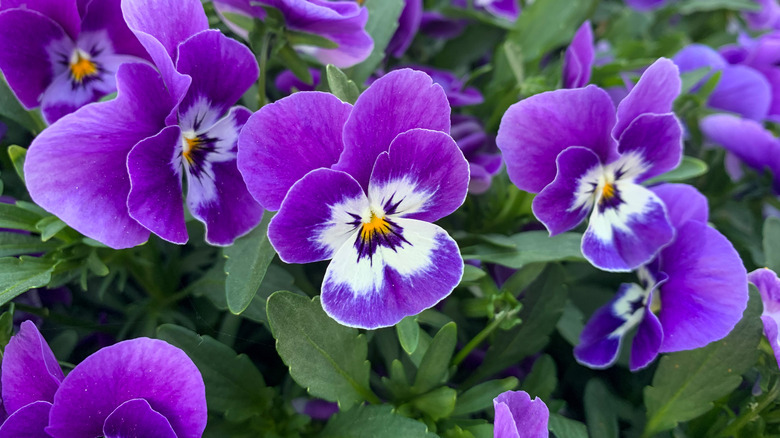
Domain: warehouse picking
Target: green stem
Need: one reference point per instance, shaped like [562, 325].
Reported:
[751, 413]
[479, 338]
[263, 58]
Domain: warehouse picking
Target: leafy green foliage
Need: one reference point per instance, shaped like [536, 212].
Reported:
[771, 243]
[689, 168]
[382, 23]
[246, 263]
[373, 422]
[19, 275]
[600, 410]
[408, 333]
[11, 108]
[523, 248]
[340, 85]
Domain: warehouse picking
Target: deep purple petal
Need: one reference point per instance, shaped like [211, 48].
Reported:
[63, 12]
[769, 287]
[683, 203]
[707, 288]
[136, 418]
[565, 202]
[744, 91]
[288, 83]
[285, 140]
[85, 182]
[654, 93]
[31, 43]
[170, 22]
[579, 57]
[645, 5]
[408, 25]
[747, 139]
[647, 341]
[144, 368]
[222, 69]
[28, 422]
[317, 217]
[395, 278]
[535, 130]
[764, 18]
[454, 87]
[397, 102]
[530, 417]
[155, 198]
[106, 15]
[424, 176]
[30, 370]
[599, 343]
[436, 25]
[508, 9]
[656, 140]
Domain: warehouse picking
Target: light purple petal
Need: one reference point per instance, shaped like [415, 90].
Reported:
[28, 422]
[170, 22]
[744, 91]
[392, 279]
[656, 141]
[508, 9]
[397, 102]
[647, 341]
[529, 417]
[764, 18]
[566, 201]
[408, 25]
[222, 69]
[30, 370]
[135, 418]
[747, 139]
[683, 203]
[31, 43]
[579, 57]
[769, 287]
[106, 15]
[318, 216]
[535, 130]
[479, 179]
[63, 12]
[144, 368]
[707, 288]
[694, 56]
[424, 176]
[155, 198]
[76, 169]
[283, 141]
[654, 93]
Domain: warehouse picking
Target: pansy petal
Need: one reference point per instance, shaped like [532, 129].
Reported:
[408, 25]
[397, 102]
[768, 286]
[647, 341]
[747, 139]
[106, 15]
[423, 176]
[395, 278]
[535, 130]
[654, 93]
[530, 417]
[30, 370]
[170, 22]
[285, 140]
[145, 368]
[579, 57]
[706, 292]
[744, 91]
[508, 9]
[695, 56]
[318, 216]
[222, 69]
[629, 232]
[33, 45]
[683, 203]
[566, 201]
[651, 145]
[155, 198]
[504, 425]
[135, 418]
[85, 182]
[27, 422]
[63, 12]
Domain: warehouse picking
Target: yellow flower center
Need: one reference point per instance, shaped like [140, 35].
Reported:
[190, 144]
[81, 66]
[608, 191]
[375, 225]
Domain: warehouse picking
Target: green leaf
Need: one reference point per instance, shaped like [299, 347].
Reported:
[692, 6]
[246, 263]
[481, 397]
[18, 275]
[243, 21]
[408, 333]
[234, 387]
[11, 108]
[471, 274]
[434, 366]
[12, 244]
[49, 226]
[296, 37]
[96, 265]
[18, 218]
[290, 59]
[543, 378]
[547, 24]
[514, 57]
[564, 427]
[382, 23]
[685, 384]
[528, 247]
[6, 328]
[691, 78]
[326, 358]
[18, 155]
[772, 243]
[438, 403]
[689, 168]
[600, 410]
[373, 422]
[340, 85]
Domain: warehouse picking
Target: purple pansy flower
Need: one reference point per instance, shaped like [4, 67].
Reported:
[364, 184]
[517, 416]
[692, 294]
[768, 286]
[645, 5]
[584, 157]
[343, 22]
[140, 387]
[480, 151]
[287, 82]
[122, 179]
[61, 55]
[761, 55]
[437, 25]
[579, 58]
[506, 9]
[767, 17]
[408, 25]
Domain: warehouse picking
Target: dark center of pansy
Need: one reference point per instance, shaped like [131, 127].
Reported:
[609, 196]
[194, 149]
[82, 67]
[377, 230]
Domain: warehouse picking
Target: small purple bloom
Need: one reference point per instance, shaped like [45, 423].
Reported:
[364, 185]
[123, 178]
[315, 408]
[762, 56]
[480, 151]
[579, 58]
[768, 17]
[342, 22]
[769, 287]
[517, 416]
[408, 25]
[436, 25]
[584, 158]
[506, 9]
[454, 87]
[692, 294]
[287, 82]
[61, 56]
[645, 5]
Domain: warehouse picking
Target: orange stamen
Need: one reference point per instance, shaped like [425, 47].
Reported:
[375, 225]
[608, 191]
[81, 66]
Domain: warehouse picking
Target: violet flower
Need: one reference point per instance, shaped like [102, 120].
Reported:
[287, 82]
[584, 157]
[385, 169]
[768, 286]
[436, 25]
[761, 55]
[454, 87]
[517, 416]
[65, 54]
[480, 151]
[579, 58]
[140, 387]
[342, 22]
[123, 178]
[645, 5]
[767, 17]
[506, 9]
[692, 294]
[408, 25]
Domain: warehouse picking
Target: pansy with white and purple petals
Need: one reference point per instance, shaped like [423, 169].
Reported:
[361, 186]
[583, 157]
